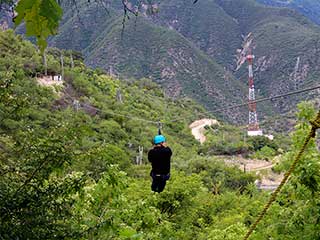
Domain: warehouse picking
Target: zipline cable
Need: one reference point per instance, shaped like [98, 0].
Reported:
[118, 114]
[113, 113]
[315, 125]
[271, 98]
[211, 111]
[258, 101]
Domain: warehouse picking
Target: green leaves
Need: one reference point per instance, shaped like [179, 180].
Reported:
[41, 17]
[61, 171]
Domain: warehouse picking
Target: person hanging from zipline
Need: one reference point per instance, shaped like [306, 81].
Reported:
[160, 157]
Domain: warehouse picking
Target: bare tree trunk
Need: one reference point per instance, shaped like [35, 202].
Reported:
[139, 158]
[119, 96]
[141, 154]
[71, 60]
[45, 64]
[76, 105]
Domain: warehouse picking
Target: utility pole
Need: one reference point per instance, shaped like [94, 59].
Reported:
[71, 60]
[62, 67]
[223, 128]
[139, 158]
[76, 105]
[45, 64]
[111, 72]
[119, 96]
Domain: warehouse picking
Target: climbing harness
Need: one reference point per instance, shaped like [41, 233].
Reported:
[315, 125]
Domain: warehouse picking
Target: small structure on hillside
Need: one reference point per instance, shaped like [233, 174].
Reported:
[4, 26]
[270, 136]
[50, 80]
[139, 157]
[57, 78]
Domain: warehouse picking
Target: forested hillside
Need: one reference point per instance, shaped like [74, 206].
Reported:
[198, 50]
[68, 165]
[285, 44]
[147, 50]
[309, 8]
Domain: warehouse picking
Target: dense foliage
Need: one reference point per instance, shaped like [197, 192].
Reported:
[224, 139]
[69, 172]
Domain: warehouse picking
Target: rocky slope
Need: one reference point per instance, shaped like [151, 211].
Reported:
[286, 46]
[285, 43]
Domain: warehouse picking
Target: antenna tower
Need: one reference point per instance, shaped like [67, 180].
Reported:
[253, 127]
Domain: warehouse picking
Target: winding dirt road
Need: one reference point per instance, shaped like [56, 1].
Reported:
[198, 128]
[268, 181]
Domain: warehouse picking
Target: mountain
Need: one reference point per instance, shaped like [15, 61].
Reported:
[145, 49]
[206, 24]
[309, 8]
[198, 50]
[285, 43]
[167, 58]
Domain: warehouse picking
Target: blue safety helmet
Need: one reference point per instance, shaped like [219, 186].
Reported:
[159, 139]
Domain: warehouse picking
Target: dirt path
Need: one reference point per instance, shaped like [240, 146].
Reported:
[269, 180]
[269, 166]
[198, 128]
[50, 81]
[250, 165]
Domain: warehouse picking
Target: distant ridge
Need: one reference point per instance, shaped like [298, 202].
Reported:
[309, 8]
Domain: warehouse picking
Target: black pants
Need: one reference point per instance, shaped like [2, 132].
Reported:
[159, 181]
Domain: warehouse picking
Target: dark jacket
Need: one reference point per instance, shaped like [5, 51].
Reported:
[160, 159]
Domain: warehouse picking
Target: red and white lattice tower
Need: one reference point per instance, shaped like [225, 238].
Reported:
[253, 127]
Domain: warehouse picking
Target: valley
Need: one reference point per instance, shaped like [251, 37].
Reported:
[184, 49]
[132, 123]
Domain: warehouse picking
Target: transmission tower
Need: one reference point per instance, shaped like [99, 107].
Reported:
[253, 127]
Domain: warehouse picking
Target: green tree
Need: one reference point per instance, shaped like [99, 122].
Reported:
[42, 18]
[294, 215]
